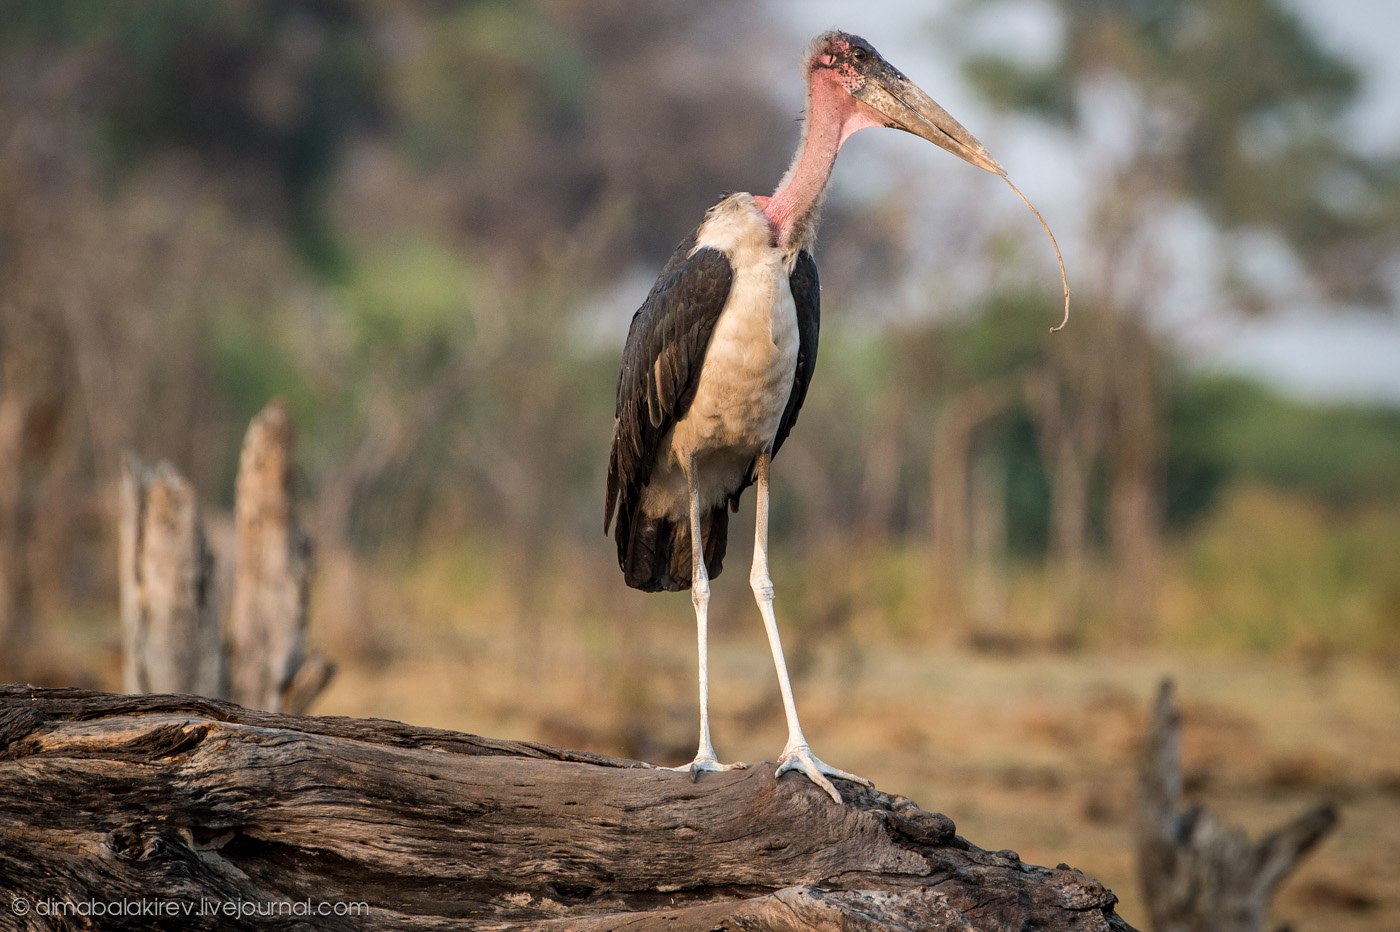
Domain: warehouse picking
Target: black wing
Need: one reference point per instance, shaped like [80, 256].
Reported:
[807, 295]
[661, 368]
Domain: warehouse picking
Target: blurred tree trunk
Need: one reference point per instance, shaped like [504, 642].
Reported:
[1134, 455]
[1068, 399]
[988, 597]
[15, 526]
[33, 402]
[1134, 450]
[879, 484]
[34, 371]
[951, 459]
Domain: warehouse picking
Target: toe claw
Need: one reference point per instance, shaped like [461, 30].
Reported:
[802, 759]
[847, 776]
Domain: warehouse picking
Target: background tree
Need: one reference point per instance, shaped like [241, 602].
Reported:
[1196, 111]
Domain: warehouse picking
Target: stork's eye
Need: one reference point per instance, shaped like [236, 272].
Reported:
[859, 55]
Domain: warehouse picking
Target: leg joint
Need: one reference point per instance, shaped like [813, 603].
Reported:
[700, 590]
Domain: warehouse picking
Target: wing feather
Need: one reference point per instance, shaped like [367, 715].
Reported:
[807, 295]
[661, 361]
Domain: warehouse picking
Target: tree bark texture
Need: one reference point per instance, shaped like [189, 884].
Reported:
[188, 799]
[170, 623]
[268, 665]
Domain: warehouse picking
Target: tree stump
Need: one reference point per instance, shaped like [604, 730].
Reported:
[170, 625]
[226, 813]
[171, 635]
[1198, 873]
[269, 667]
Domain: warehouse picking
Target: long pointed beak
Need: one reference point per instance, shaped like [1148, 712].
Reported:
[907, 107]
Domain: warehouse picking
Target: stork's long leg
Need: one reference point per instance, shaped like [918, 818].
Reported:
[700, 597]
[797, 755]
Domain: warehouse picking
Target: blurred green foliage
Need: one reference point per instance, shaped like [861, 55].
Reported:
[1272, 570]
[273, 87]
[1344, 455]
[493, 70]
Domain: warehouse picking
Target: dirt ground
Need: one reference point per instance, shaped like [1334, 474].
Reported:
[1034, 753]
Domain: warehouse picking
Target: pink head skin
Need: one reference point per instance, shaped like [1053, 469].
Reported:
[850, 87]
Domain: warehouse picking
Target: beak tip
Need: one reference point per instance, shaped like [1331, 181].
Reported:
[988, 163]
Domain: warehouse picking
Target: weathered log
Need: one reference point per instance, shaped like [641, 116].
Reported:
[1198, 873]
[176, 799]
[268, 664]
[170, 624]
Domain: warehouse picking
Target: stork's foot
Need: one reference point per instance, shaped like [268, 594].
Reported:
[803, 760]
[705, 763]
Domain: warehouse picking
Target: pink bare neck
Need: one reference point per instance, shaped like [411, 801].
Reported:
[832, 116]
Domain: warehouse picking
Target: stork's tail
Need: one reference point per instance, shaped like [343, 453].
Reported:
[655, 552]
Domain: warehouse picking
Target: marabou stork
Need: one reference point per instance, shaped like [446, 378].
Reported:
[719, 358]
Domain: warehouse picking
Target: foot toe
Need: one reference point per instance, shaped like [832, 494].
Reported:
[803, 760]
[705, 765]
